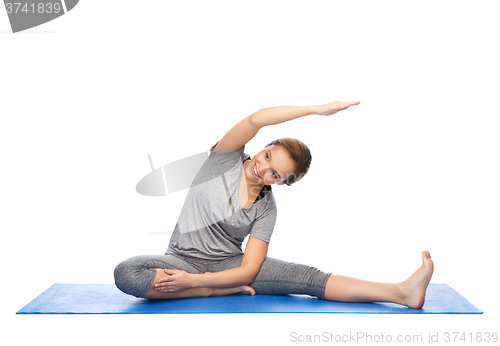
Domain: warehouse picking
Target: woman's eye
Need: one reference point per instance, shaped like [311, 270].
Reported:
[274, 175]
[267, 156]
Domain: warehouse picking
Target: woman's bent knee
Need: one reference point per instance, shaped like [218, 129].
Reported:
[133, 276]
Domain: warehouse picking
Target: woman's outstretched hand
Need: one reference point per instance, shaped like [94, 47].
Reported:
[177, 280]
[334, 107]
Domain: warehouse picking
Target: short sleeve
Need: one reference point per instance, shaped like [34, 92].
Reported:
[225, 151]
[263, 226]
[225, 159]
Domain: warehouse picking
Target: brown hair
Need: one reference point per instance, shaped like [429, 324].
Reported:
[299, 153]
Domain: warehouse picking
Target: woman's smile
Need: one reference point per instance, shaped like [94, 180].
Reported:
[255, 172]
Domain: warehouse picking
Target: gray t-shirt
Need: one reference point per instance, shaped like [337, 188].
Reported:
[213, 223]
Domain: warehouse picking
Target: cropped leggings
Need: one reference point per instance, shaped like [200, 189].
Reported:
[135, 275]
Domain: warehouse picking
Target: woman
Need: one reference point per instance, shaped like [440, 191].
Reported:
[231, 198]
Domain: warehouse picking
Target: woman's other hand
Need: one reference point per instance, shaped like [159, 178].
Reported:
[334, 107]
[177, 280]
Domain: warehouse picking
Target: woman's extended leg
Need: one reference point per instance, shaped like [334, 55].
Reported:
[279, 277]
[410, 292]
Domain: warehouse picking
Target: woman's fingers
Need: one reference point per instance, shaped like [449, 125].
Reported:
[346, 105]
[337, 106]
[164, 286]
[171, 271]
[166, 279]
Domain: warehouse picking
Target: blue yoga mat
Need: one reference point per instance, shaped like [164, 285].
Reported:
[107, 299]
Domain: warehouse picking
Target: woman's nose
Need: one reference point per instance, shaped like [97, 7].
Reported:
[264, 167]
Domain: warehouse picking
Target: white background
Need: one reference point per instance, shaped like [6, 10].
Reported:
[415, 166]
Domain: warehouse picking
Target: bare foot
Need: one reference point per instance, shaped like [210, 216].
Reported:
[233, 290]
[413, 289]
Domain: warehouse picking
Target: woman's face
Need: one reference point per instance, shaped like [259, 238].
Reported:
[270, 166]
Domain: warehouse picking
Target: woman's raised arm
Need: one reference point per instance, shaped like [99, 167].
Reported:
[241, 133]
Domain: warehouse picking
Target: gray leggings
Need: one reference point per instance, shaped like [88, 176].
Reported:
[135, 275]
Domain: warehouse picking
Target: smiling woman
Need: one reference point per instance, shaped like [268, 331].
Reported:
[300, 155]
[280, 162]
[231, 198]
